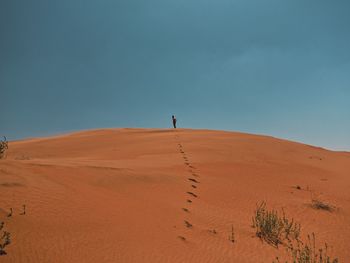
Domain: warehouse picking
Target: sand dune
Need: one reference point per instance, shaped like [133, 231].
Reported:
[147, 195]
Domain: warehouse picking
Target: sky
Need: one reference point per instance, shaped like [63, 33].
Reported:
[273, 67]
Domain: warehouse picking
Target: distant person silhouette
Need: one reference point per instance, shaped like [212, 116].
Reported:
[174, 121]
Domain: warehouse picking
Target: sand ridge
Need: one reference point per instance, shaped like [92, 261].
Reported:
[160, 195]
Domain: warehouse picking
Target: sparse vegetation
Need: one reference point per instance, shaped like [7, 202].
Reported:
[307, 253]
[276, 229]
[320, 205]
[272, 227]
[3, 147]
[4, 239]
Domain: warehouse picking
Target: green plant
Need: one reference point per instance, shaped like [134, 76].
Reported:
[272, 227]
[3, 147]
[4, 240]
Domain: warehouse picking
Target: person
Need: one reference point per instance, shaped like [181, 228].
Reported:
[174, 121]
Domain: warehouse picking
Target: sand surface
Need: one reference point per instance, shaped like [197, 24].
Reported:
[148, 195]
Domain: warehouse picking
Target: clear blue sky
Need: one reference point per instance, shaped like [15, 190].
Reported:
[272, 67]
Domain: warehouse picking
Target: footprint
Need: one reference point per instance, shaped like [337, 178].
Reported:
[189, 201]
[188, 224]
[10, 214]
[193, 180]
[194, 186]
[194, 195]
[186, 210]
[182, 238]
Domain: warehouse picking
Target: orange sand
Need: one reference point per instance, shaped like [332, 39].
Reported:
[117, 195]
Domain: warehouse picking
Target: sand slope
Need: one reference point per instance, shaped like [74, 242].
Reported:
[130, 195]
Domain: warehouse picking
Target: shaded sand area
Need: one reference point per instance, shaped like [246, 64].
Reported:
[147, 195]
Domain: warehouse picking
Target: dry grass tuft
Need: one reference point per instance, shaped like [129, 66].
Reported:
[274, 228]
[308, 253]
[320, 205]
[3, 147]
[4, 239]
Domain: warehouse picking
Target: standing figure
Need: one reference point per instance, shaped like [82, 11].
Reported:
[174, 121]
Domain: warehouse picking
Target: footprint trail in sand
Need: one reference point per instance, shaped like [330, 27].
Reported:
[193, 182]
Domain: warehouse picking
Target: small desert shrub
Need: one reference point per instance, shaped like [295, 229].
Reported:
[320, 205]
[3, 147]
[272, 227]
[307, 253]
[4, 239]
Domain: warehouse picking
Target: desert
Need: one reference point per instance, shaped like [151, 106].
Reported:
[167, 195]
